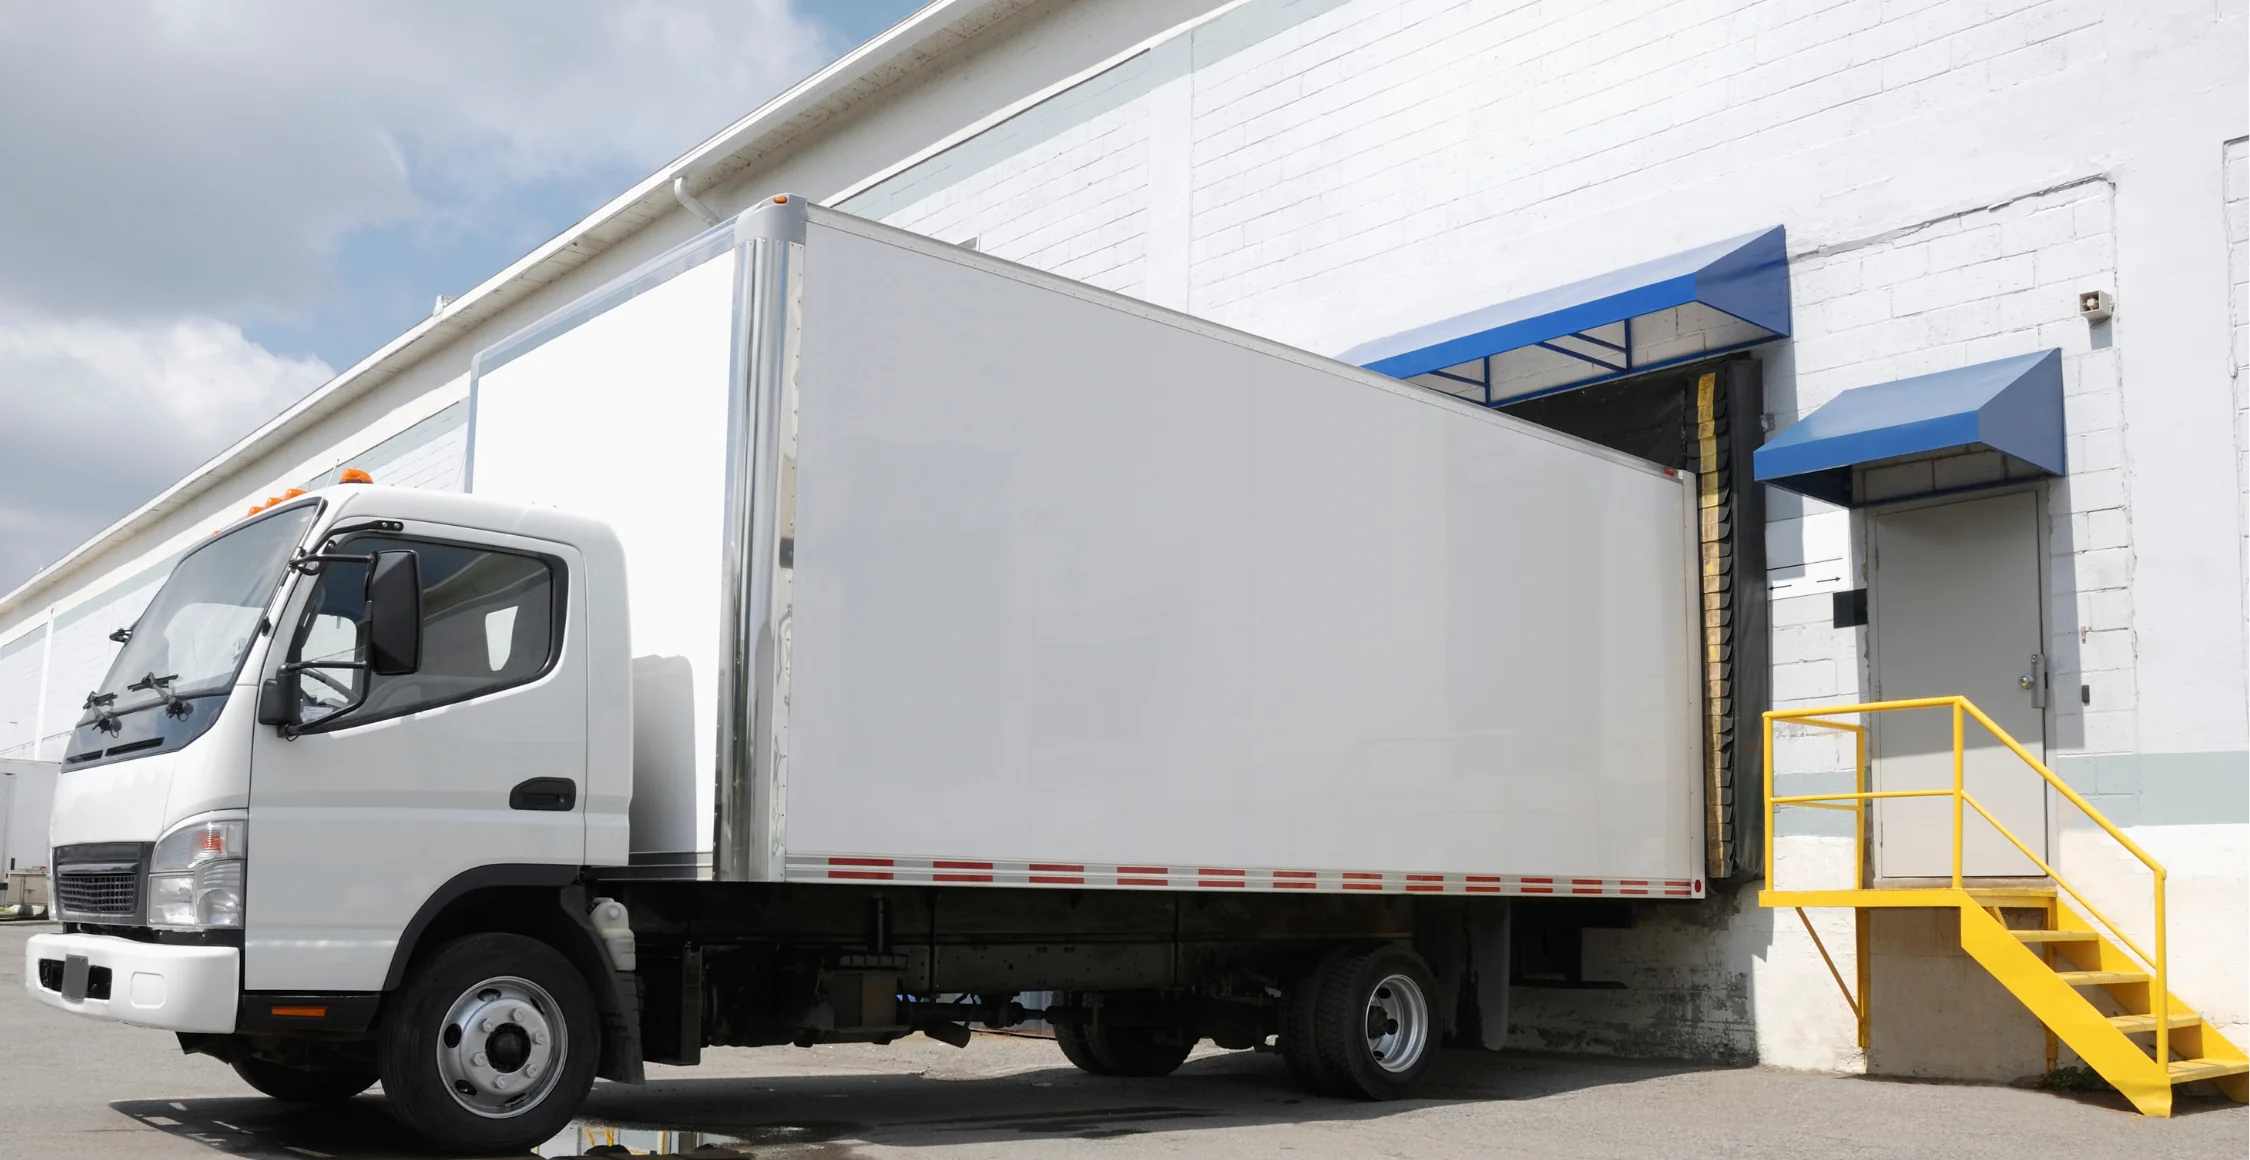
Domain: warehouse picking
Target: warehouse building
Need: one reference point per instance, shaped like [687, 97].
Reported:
[1944, 304]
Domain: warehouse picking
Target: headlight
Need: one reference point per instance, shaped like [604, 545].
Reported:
[195, 876]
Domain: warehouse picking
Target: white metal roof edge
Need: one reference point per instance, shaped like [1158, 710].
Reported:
[825, 92]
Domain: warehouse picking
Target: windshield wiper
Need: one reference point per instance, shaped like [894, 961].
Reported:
[99, 703]
[174, 704]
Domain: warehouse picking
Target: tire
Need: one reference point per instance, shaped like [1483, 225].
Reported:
[1076, 1048]
[491, 1046]
[1374, 1021]
[302, 1087]
[1140, 1052]
[1299, 1049]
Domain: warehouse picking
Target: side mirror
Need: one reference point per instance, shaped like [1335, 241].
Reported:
[275, 705]
[394, 614]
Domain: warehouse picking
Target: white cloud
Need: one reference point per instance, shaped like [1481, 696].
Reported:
[218, 152]
[102, 415]
[172, 163]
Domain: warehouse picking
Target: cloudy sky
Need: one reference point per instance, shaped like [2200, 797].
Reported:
[206, 210]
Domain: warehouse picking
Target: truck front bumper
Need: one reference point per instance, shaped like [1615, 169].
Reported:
[176, 988]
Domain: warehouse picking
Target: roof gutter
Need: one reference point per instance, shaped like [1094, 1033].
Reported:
[859, 74]
[689, 203]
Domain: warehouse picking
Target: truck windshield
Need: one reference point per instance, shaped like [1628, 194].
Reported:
[191, 641]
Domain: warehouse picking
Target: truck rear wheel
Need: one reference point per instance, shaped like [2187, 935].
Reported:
[1372, 1019]
[298, 1086]
[1124, 1051]
[1299, 1048]
[1077, 1048]
[491, 1046]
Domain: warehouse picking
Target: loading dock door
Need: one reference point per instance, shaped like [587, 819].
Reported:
[1687, 419]
[1954, 608]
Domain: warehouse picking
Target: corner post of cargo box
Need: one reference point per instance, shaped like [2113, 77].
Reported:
[758, 546]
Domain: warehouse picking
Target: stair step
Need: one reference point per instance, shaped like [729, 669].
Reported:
[2014, 897]
[2135, 1024]
[2191, 1070]
[2056, 936]
[2100, 978]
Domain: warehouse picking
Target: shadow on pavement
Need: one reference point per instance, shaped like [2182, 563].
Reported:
[826, 1115]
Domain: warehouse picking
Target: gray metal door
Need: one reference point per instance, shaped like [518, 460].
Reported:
[1955, 608]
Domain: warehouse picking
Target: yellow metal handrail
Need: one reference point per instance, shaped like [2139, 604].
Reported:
[1859, 799]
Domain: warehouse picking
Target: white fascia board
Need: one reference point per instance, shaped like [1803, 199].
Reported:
[904, 47]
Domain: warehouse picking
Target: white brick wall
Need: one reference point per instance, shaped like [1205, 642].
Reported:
[431, 454]
[2238, 318]
[1416, 127]
[20, 661]
[1074, 200]
[1963, 289]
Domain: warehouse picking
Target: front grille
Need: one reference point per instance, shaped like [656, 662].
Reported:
[105, 893]
[99, 882]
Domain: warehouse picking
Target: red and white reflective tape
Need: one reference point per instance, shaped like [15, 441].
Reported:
[965, 871]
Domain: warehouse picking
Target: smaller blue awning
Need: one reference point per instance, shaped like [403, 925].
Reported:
[2013, 406]
[1713, 298]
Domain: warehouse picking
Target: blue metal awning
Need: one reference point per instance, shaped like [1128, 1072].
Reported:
[1714, 298]
[2013, 406]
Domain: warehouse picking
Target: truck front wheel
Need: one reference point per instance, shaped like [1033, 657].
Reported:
[491, 1045]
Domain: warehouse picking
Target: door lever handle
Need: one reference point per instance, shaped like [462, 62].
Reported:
[559, 794]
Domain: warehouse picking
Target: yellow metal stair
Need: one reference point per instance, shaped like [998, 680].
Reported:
[2117, 1047]
[2057, 970]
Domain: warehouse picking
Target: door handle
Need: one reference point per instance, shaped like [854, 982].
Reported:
[558, 794]
[2035, 681]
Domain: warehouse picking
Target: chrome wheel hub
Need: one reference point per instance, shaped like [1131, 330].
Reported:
[1398, 1023]
[502, 1047]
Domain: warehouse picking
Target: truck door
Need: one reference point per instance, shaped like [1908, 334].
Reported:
[390, 787]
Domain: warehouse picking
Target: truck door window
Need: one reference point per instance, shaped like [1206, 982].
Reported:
[488, 622]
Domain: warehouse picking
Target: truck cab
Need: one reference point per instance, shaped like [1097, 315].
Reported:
[338, 720]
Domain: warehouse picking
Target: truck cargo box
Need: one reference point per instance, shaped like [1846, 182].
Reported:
[943, 569]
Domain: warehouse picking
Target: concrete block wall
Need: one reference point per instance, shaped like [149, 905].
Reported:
[2238, 330]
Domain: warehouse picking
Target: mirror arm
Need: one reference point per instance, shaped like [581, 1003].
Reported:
[310, 562]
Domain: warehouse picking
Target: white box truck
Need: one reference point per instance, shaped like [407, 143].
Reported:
[846, 633]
